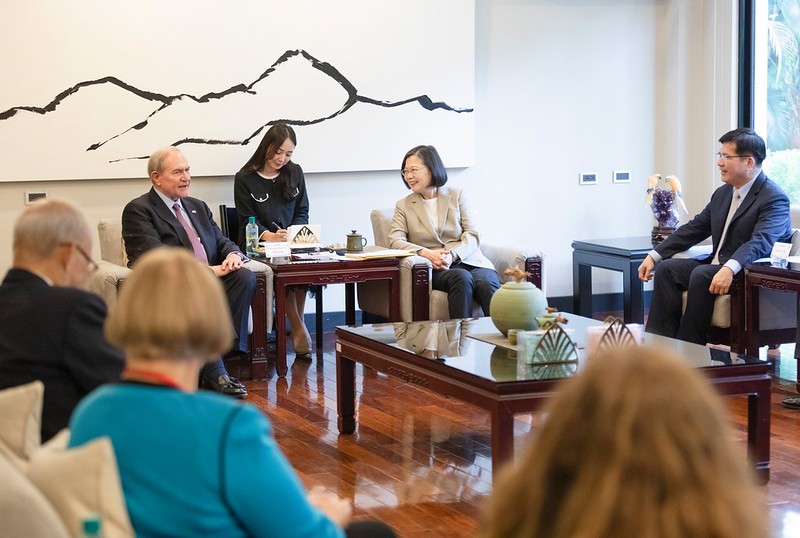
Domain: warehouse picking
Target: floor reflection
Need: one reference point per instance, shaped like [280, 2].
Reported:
[422, 462]
[448, 472]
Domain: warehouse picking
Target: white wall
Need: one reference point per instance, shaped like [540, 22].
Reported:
[562, 86]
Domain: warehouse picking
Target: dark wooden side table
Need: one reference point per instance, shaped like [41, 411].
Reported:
[347, 272]
[623, 254]
[765, 275]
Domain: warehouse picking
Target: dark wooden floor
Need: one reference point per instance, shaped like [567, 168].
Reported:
[422, 463]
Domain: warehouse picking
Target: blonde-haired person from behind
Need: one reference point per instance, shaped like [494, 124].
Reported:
[193, 463]
[636, 445]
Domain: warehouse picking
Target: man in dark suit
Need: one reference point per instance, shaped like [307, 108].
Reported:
[50, 330]
[167, 216]
[744, 218]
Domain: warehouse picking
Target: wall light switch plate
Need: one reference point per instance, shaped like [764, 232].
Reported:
[587, 178]
[31, 197]
[621, 176]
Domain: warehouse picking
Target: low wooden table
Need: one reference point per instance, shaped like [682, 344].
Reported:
[347, 272]
[623, 254]
[483, 375]
[779, 278]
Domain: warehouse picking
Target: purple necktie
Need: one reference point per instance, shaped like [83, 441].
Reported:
[199, 251]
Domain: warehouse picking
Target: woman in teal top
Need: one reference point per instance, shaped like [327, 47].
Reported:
[194, 464]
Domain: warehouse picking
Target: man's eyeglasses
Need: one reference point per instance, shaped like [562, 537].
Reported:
[412, 171]
[723, 157]
[92, 264]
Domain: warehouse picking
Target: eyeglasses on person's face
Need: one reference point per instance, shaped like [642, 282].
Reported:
[93, 267]
[725, 157]
[413, 171]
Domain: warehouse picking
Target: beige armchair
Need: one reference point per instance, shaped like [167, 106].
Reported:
[777, 310]
[113, 270]
[418, 301]
[113, 264]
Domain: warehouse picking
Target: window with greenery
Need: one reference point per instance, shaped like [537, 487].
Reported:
[781, 112]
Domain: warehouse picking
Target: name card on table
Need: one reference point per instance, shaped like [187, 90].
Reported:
[277, 249]
[781, 251]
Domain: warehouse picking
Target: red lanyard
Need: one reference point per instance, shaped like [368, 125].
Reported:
[135, 374]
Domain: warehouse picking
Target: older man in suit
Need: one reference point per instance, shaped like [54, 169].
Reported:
[744, 218]
[168, 216]
[50, 330]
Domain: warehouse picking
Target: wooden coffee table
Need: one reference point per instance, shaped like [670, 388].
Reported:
[348, 272]
[482, 374]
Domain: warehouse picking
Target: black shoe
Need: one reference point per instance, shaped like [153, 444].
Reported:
[224, 385]
[236, 382]
[791, 403]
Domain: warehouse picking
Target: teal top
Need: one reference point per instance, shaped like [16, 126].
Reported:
[198, 464]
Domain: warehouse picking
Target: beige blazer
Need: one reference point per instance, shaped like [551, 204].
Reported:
[455, 231]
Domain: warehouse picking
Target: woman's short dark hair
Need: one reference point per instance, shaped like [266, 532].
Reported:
[430, 158]
[747, 142]
[267, 148]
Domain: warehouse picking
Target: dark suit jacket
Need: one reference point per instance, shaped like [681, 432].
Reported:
[55, 335]
[148, 223]
[761, 220]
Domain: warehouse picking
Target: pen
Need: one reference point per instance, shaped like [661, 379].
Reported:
[277, 225]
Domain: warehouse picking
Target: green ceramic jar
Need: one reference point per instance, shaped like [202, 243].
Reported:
[517, 305]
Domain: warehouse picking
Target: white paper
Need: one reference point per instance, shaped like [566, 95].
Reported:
[781, 251]
[276, 249]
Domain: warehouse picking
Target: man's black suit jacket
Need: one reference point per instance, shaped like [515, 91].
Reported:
[54, 334]
[761, 219]
[148, 223]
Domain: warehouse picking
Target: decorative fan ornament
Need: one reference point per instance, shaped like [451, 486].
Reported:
[616, 336]
[553, 371]
[555, 346]
[305, 236]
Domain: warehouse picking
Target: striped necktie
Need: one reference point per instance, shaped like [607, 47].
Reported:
[197, 246]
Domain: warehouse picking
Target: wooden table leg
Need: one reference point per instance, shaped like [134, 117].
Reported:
[394, 299]
[345, 393]
[581, 289]
[318, 318]
[280, 328]
[632, 295]
[350, 303]
[758, 424]
[797, 344]
[502, 438]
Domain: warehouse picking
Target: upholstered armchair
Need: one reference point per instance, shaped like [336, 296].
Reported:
[418, 301]
[777, 310]
[113, 264]
[113, 270]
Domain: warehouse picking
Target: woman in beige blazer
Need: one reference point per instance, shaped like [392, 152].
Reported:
[435, 222]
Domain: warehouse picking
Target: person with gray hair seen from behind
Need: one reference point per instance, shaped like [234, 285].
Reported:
[50, 330]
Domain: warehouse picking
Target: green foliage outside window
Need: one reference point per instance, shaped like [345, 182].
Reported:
[783, 167]
[783, 96]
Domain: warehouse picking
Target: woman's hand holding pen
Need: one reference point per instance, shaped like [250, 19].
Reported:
[274, 237]
[278, 236]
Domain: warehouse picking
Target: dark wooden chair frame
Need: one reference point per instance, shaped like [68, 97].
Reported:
[229, 224]
[420, 294]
